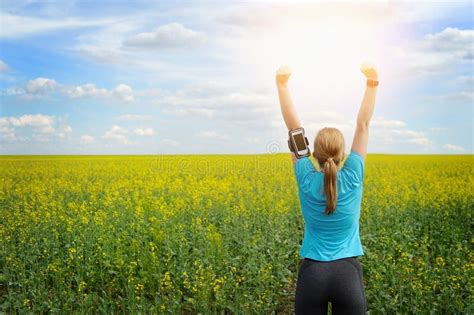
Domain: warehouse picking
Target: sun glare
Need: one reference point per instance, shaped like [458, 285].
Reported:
[329, 48]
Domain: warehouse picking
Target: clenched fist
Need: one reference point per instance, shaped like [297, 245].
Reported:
[369, 70]
[282, 75]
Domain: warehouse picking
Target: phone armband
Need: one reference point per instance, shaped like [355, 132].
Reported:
[298, 143]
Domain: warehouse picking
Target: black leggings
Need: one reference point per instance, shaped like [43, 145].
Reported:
[338, 281]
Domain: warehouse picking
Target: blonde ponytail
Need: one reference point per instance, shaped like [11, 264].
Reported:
[329, 152]
[330, 185]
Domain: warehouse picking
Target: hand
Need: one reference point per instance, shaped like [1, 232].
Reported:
[369, 70]
[282, 75]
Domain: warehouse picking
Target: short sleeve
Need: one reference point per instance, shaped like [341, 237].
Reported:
[354, 167]
[304, 172]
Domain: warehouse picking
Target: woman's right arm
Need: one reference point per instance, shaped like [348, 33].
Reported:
[361, 136]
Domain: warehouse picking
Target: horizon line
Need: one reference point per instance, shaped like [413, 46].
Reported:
[206, 154]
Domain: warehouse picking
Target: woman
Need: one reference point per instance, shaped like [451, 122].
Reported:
[330, 202]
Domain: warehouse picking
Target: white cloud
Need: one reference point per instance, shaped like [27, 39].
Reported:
[14, 26]
[384, 123]
[383, 132]
[144, 132]
[86, 90]
[33, 89]
[120, 134]
[172, 35]
[87, 139]
[132, 117]
[37, 120]
[453, 41]
[64, 131]
[38, 127]
[7, 133]
[124, 44]
[117, 133]
[40, 85]
[3, 66]
[124, 93]
[105, 45]
[442, 52]
[453, 147]
[222, 102]
[47, 129]
[387, 136]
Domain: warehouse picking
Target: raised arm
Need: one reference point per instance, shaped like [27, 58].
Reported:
[287, 108]
[361, 136]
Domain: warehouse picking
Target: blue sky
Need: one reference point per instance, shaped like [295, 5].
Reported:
[142, 77]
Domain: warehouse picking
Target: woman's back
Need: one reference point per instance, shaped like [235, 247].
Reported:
[333, 236]
[330, 203]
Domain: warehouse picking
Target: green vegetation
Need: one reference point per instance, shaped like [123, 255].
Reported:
[213, 234]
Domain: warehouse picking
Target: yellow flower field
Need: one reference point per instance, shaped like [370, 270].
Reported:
[221, 234]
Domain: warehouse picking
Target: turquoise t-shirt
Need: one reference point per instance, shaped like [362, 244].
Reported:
[333, 236]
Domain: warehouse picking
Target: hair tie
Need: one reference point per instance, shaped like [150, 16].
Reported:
[330, 159]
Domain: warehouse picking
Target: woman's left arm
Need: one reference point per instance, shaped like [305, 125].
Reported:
[287, 108]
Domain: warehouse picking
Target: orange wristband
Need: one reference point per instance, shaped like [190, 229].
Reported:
[371, 82]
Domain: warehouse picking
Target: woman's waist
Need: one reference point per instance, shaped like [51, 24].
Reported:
[327, 261]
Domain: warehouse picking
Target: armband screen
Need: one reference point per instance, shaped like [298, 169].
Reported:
[300, 142]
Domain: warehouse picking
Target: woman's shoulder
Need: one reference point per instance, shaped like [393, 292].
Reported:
[352, 157]
[354, 161]
[352, 171]
[304, 164]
